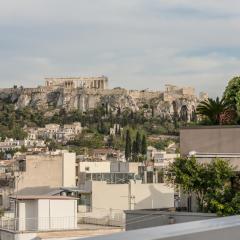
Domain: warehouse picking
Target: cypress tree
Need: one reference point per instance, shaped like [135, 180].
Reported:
[134, 150]
[119, 130]
[106, 109]
[138, 143]
[144, 145]
[128, 146]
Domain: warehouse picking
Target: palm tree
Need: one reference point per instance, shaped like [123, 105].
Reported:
[214, 110]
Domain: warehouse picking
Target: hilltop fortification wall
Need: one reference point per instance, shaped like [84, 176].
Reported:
[174, 101]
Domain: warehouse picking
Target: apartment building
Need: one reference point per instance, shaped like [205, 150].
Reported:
[209, 142]
[53, 169]
[44, 170]
[59, 133]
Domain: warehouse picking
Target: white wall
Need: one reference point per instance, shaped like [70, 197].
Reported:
[47, 214]
[116, 196]
[22, 214]
[28, 215]
[57, 214]
[152, 196]
[43, 214]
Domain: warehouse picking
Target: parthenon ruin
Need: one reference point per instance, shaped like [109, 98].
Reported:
[78, 82]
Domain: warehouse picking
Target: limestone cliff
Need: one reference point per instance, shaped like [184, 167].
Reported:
[174, 103]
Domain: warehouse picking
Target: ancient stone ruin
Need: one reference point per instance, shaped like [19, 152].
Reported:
[81, 93]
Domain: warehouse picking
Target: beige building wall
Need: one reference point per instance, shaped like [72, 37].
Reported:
[69, 166]
[41, 170]
[94, 167]
[152, 196]
[131, 196]
[48, 170]
[134, 167]
[210, 139]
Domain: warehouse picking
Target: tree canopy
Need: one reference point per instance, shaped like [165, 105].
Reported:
[211, 183]
[216, 111]
[232, 93]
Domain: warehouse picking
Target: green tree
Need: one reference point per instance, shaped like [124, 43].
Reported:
[128, 145]
[138, 143]
[211, 183]
[102, 127]
[52, 145]
[232, 93]
[18, 133]
[110, 141]
[212, 109]
[144, 145]
[161, 144]
[134, 151]
[84, 141]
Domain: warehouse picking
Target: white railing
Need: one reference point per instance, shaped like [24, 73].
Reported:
[38, 224]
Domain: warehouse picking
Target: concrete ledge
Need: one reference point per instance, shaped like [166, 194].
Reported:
[209, 127]
[214, 229]
[138, 219]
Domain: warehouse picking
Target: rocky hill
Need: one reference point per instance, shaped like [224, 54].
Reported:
[174, 102]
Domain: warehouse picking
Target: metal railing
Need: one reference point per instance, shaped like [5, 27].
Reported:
[38, 224]
[104, 217]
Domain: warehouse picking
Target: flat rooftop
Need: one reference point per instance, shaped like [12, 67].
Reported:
[36, 197]
[219, 228]
[209, 127]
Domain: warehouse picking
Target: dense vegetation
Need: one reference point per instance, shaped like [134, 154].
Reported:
[222, 111]
[97, 123]
[215, 185]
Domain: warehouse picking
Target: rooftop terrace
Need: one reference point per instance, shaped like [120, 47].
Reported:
[219, 229]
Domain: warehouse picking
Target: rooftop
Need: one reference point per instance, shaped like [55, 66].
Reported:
[209, 127]
[36, 197]
[219, 228]
[216, 155]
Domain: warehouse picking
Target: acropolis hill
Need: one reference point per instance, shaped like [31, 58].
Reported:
[85, 93]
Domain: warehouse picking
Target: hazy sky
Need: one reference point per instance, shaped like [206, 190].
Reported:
[138, 44]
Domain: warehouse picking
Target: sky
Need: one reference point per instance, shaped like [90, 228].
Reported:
[138, 44]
